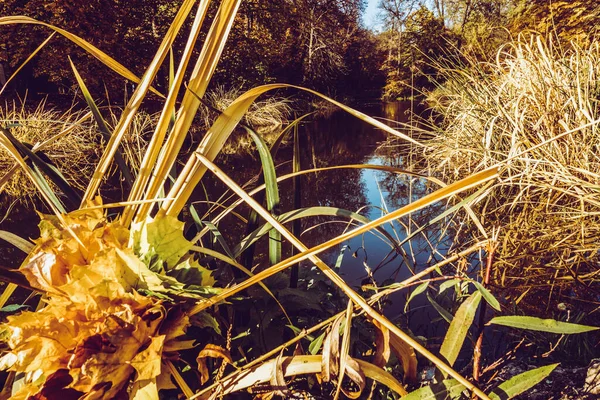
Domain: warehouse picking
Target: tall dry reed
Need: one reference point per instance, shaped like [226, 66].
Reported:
[535, 112]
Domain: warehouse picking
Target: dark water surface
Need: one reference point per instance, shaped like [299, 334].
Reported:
[339, 139]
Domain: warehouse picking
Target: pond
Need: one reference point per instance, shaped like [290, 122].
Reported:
[339, 139]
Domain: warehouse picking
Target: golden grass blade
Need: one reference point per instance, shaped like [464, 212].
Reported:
[179, 379]
[87, 46]
[440, 194]
[166, 116]
[345, 349]
[281, 178]
[6, 293]
[373, 299]
[300, 365]
[136, 100]
[22, 244]
[218, 134]
[33, 54]
[203, 70]
[101, 124]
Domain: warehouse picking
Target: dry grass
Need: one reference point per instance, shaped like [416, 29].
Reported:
[73, 153]
[534, 111]
[135, 141]
[271, 112]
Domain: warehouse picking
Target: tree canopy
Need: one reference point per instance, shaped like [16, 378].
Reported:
[317, 43]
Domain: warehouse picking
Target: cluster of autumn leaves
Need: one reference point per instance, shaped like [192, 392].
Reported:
[97, 336]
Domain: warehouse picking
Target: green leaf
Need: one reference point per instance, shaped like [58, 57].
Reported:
[441, 310]
[418, 290]
[315, 345]
[448, 284]
[449, 389]
[271, 192]
[159, 241]
[521, 383]
[12, 308]
[298, 331]
[190, 272]
[340, 257]
[459, 327]
[488, 297]
[542, 325]
[205, 320]
[219, 237]
[22, 244]
[304, 213]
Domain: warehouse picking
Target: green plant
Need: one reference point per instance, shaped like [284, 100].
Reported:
[127, 299]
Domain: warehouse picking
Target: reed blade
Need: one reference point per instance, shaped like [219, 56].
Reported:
[136, 100]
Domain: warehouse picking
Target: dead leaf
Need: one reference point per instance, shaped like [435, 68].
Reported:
[147, 363]
[331, 348]
[212, 351]
[146, 389]
[278, 379]
[407, 357]
[382, 345]
[164, 381]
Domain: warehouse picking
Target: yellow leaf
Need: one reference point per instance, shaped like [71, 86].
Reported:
[144, 390]
[164, 381]
[147, 362]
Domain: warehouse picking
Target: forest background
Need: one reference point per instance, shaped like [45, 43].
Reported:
[320, 44]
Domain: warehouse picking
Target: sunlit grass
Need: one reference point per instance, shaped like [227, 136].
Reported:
[136, 297]
[533, 111]
[68, 142]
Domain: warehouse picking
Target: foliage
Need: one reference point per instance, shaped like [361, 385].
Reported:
[412, 53]
[97, 329]
[569, 20]
[132, 29]
[308, 42]
[129, 297]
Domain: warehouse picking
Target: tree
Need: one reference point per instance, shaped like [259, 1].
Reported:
[297, 41]
[413, 50]
[570, 20]
[130, 31]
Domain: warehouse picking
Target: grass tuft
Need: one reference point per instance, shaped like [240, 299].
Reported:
[72, 153]
[534, 111]
[272, 112]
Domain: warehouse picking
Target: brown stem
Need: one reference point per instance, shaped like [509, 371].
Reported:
[478, 345]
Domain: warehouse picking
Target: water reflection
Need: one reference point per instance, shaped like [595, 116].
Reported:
[341, 139]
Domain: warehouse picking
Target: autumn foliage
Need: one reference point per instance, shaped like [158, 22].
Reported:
[97, 335]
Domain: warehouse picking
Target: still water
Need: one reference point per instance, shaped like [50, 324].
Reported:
[342, 139]
[339, 139]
